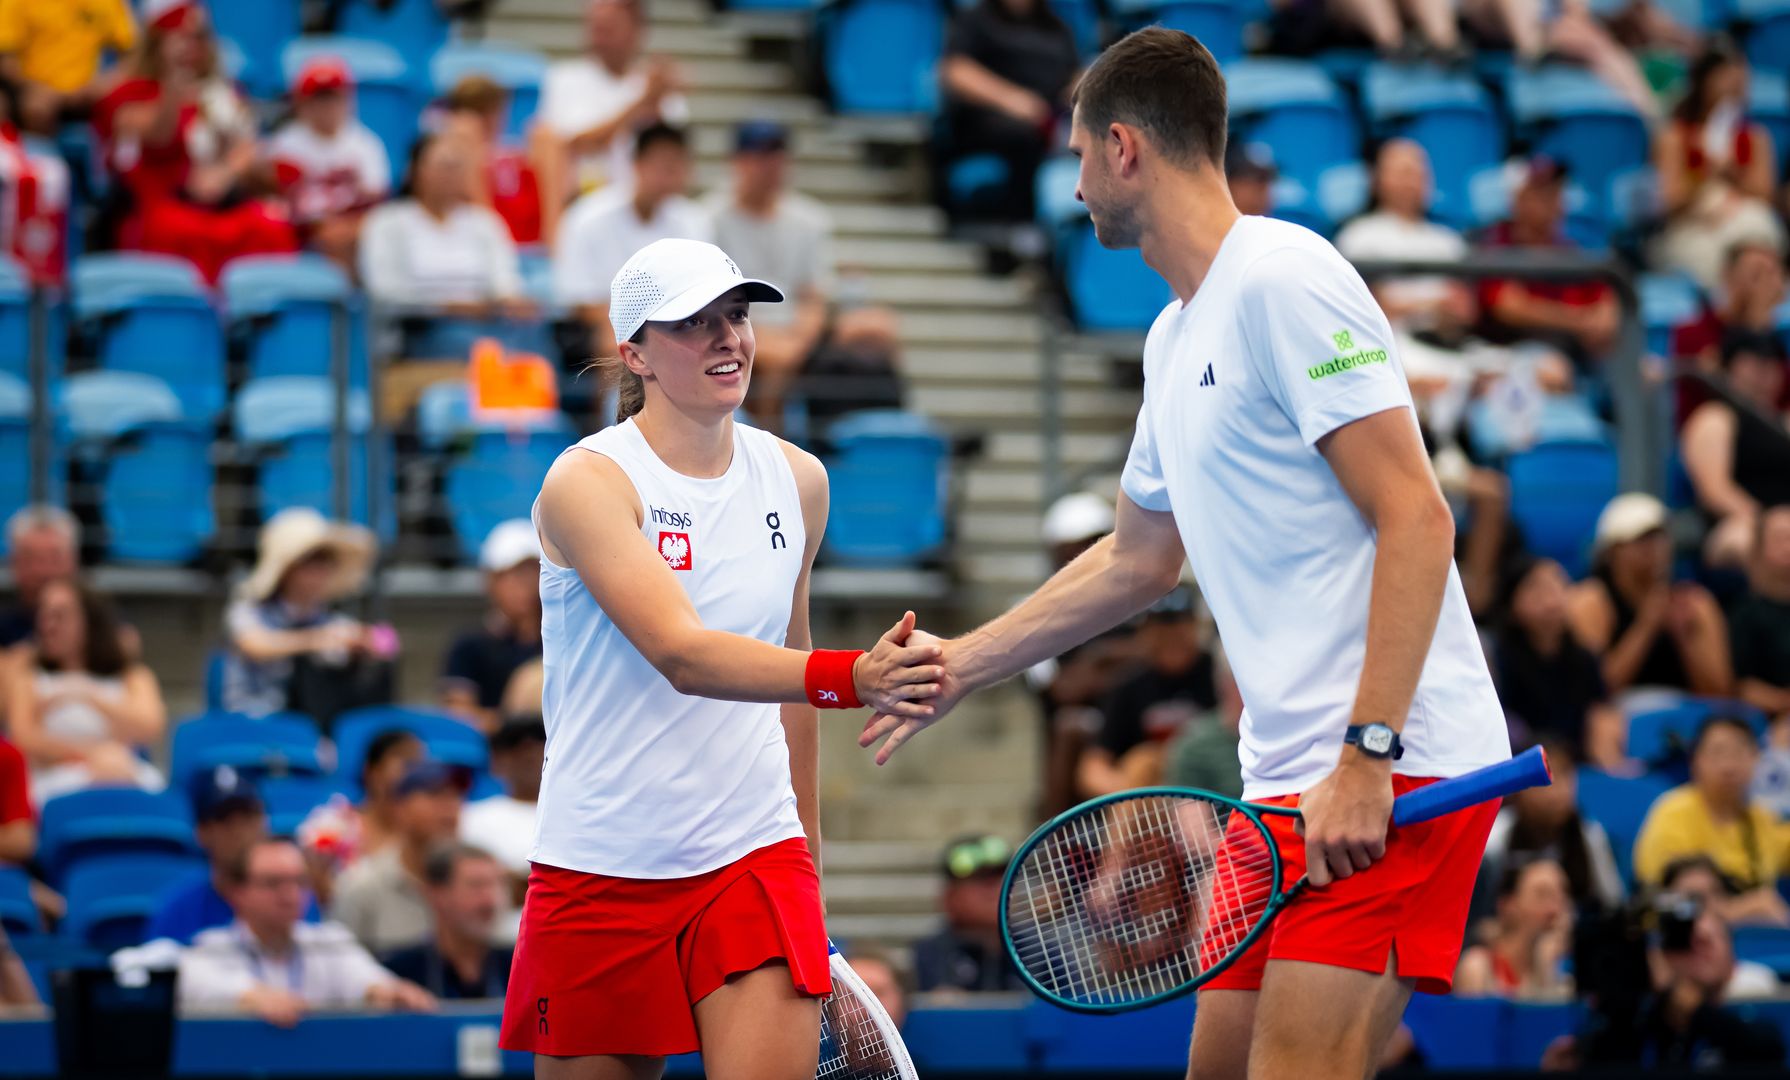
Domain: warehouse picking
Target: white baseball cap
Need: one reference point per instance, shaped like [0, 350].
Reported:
[508, 545]
[1629, 517]
[668, 280]
[1077, 516]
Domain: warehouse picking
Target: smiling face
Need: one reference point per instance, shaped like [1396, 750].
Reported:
[699, 365]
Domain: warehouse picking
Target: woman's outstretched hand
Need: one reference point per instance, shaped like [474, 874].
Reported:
[898, 674]
[947, 690]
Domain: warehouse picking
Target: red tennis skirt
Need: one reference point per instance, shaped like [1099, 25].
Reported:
[1411, 903]
[609, 965]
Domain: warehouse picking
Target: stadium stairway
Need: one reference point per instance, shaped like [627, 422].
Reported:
[973, 353]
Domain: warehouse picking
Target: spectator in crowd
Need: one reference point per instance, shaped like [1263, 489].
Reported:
[1301, 26]
[181, 143]
[506, 178]
[884, 981]
[1071, 686]
[504, 825]
[1580, 317]
[271, 963]
[390, 756]
[1250, 171]
[17, 991]
[594, 108]
[1533, 937]
[1551, 684]
[1570, 30]
[1760, 623]
[284, 638]
[1736, 446]
[1203, 754]
[967, 954]
[602, 229]
[18, 821]
[1545, 823]
[381, 897]
[1698, 879]
[43, 545]
[480, 662]
[1645, 629]
[231, 819]
[1717, 171]
[80, 709]
[34, 216]
[436, 247]
[330, 167]
[1155, 704]
[1715, 815]
[54, 54]
[464, 888]
[1007, 71]
[1748, 298]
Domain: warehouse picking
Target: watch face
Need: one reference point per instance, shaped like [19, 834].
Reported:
[1377, 740]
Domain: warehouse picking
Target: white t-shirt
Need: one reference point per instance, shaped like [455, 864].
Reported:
[408, 257]
[1282, 345]
[1383, 235]
[577, 95]
[642, 781]
[601, 230]
[326, 967]
[326, 176]
[503, 826]
[792, 248]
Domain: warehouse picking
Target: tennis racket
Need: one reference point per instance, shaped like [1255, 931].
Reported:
[1146, 895]
[858, 1040]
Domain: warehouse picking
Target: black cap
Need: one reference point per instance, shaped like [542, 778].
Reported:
[517, 730]
[1544, 169]
[760, 137]
[432, 776]
[218, 793]
[976, 856]
[1249, 161]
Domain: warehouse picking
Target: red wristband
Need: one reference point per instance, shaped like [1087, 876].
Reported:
[828, 680]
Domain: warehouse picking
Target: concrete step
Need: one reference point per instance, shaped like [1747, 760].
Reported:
[897, 931]
[941, 811]
[958, 328]
[708, 107]
[714, 142]
[1014, 572]
[880, 894]
[874, 856]
[1017, 368]
[572, 11]
[929, 291]
[1009, 530]
[854, 218]
[1005, 486]
[1084, 409]
[561, 37]
[1082, 449]
[909, 255]
[743, 76]
[818, 179]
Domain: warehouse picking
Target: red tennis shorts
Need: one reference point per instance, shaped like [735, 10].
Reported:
[1413, 902]
[609, 965]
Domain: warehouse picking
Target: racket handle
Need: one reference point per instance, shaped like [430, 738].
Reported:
[1526, 770]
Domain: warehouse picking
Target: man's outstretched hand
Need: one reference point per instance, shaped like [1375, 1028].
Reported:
[900, 729]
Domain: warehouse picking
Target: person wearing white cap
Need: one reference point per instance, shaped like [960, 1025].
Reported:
[679, 702]
[480, 662]
[1646, 629]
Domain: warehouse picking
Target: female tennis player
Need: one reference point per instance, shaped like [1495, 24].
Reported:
[673, 903]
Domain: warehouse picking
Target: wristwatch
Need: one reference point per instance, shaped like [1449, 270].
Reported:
[1375, 740]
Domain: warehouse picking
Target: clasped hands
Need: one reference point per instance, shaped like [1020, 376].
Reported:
[908, 681]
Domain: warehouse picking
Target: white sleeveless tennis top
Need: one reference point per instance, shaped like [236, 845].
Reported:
[640, 780]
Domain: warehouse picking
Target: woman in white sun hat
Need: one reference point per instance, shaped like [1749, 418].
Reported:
[283, 612]
[673, 903]
[1647, 630]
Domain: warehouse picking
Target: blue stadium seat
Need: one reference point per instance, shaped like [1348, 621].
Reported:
[111, 900]
[1562, 418]
[259, 31]
[15, 448]
[151, 314]
[274, 409]
[1556, 492]
[1451, 116]
[1054, 191]
[1768, 39]
[385, 91]
[1218, 24]
[773, 5]
[98, 822]
[414, 27]
[1575, 117]
[155, 499]
[289, 421]
[1657, 735]
[1768, 945]
[880, 55]
[283, 308]
[257, 747]
[518, 70]
[107, 404]
[18, 914]
[1083, 19]
[1620, 805]
[447, 737]
[496, 479]
[891, 470]
[1768, 104]
[1342, 192]
[1110, 290]
[290, 799]
[1668, 300]
[1298, 111]
[976, 179]
[444, 415]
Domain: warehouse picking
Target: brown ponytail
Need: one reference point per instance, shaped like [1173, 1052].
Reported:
[631, 388]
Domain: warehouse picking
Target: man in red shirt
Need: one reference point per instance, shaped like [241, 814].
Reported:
[18, 827]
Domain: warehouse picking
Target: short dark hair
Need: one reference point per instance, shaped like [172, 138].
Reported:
[1165, 84]
[1739, 249]
[1722, 720]
[1686, 864]
[654, 134]
[237, 869]
[104, 654]
[443, 860]
[382, 746]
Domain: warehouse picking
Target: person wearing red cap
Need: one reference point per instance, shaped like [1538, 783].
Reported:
[181, 143]
[53, 55]
[330, 167]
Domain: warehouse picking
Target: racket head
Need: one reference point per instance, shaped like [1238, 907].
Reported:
[1140, 897]
[858, 1038]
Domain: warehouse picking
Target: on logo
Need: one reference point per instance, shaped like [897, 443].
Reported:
[541, 1007]
[777, 540]
[674, 548]
[831, 697]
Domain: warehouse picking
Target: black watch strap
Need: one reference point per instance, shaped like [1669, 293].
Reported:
[1352, 737]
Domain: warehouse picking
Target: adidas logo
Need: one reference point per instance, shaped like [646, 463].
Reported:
[1207, 379]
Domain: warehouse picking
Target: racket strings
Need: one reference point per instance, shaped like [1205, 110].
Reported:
[855, 1035]
[1138, 897]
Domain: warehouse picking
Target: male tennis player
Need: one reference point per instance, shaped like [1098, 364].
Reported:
[1277, 447]
[673, 904]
